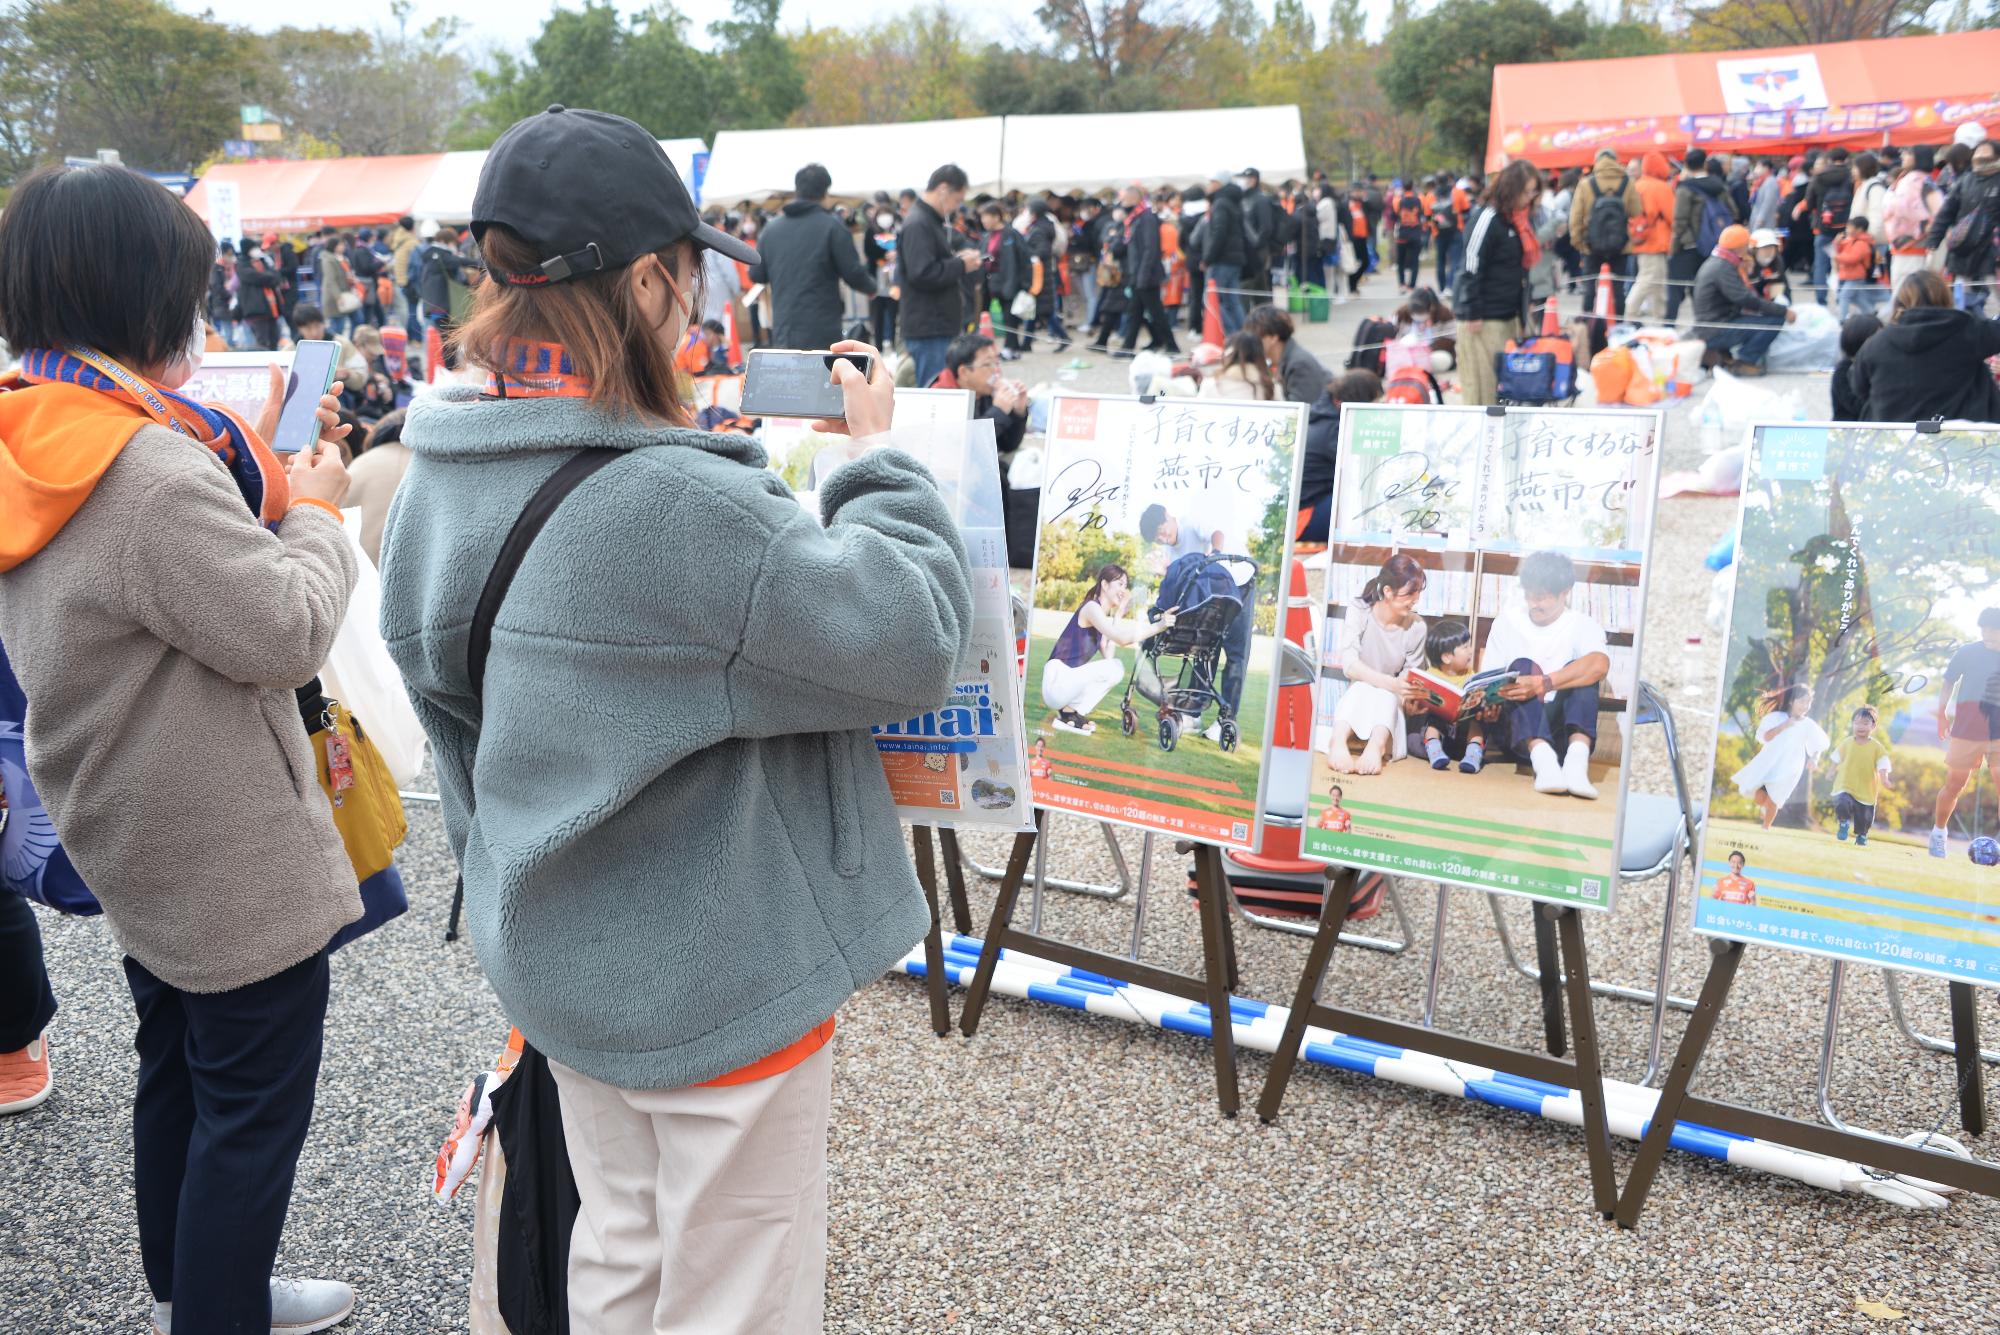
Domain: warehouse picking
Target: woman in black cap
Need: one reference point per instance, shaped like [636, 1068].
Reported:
[679, 850]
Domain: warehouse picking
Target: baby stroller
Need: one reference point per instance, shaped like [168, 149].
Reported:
[1203, 589]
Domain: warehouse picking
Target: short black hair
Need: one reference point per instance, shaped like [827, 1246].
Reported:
[714, 327]
[103, 258]
[1269, 322]
[1336, 792]
[1697, 158]
[812, 182]
[1859, 329]
[1445, 637]
[992, 206]
[1867, 712]
[1736, 855]
[1837, 154]
[408, 224]
[951, 174]
[306, 313]
[1150, 520]
[1858, 220]
[964, 350]
[1548, 572]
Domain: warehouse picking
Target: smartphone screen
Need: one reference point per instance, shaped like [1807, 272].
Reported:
[312, 375]
[797, 384]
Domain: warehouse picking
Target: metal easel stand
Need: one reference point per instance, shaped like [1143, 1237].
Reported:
[1892, 983]
[1971, 1071]
[1087, 888]
[1678, 1103]
[1218, 951]
[1584, 1073]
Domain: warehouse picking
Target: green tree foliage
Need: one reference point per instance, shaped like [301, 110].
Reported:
[1441, 65]
[370, 94]
[642, 68]
[1755, 23]
[763, 84]
[79, 75]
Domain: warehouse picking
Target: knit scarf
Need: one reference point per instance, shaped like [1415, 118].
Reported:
[537, 371]
[1531, 245]
[255, 470]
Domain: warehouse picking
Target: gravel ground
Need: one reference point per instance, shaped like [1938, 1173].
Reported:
[1066, 1172]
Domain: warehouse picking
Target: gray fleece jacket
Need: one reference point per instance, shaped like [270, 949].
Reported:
[159, 636]
[679, 849]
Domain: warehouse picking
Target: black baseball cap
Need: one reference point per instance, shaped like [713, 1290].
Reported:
[590, 191]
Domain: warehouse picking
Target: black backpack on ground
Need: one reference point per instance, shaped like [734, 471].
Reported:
[1608, 229]
[1369, 337]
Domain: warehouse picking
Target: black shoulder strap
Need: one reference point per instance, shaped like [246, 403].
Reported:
[519, 538]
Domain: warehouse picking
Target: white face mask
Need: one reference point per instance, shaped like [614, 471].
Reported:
[182, 368]
[885, 220]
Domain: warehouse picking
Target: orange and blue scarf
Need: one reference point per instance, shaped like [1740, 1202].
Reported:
[256, 471]
[537, 371]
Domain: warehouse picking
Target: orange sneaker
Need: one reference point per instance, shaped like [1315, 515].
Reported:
[24, 1077]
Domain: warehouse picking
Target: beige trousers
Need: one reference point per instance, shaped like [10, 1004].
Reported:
[704, 1210]
[1476, 350]
[1648, 298]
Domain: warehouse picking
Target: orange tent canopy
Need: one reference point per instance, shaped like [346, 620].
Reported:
[1896, 90]
[284, 196]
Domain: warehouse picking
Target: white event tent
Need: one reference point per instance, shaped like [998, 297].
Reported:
[1097, 152]
[757, 164]
[447, 196]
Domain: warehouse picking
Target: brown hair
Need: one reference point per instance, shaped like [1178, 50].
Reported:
[1512, 187]
[1925, 287]
[1399, 574]
[1245, 352]
[1269, 322]
[610, 343]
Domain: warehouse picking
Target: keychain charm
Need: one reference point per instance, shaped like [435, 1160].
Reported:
[339, 759]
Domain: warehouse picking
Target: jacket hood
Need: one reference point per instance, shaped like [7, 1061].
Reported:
[1655, 166]
[798, 208]
[1607, 170]
[1926, 329]
[1832, 176]
[1323, 410]
[1230, 190]
[56, 441]
[458, 423]
[1708, 185]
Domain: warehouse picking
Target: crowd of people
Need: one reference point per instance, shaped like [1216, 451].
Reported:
[574, 310]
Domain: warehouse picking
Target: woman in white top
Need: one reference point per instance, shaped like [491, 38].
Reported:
[1791, 745]
[1084, 665]
[1244, 373]
[1381, 639]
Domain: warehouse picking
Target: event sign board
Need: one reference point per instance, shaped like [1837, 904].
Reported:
[1852, 802]
[1163, 540]
[225, 211]
[1472, 555]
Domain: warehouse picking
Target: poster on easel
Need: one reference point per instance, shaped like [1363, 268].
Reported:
[1486, 584]
[962, 764]
[1852, 803]
[1164, 533]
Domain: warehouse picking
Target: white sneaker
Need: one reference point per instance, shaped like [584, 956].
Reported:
[1214, 733]
[1576, 771]
[1548, 774]
[1937, 842]
[298, 1307]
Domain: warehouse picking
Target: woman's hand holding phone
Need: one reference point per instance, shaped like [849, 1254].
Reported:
[871, 403]
[317, 472]
[266, 425]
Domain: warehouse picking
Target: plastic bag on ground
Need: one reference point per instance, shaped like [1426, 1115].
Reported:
[1809, 343]
[1733, 404]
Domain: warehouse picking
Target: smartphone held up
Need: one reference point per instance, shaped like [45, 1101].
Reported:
[799, 384]
[313, 364]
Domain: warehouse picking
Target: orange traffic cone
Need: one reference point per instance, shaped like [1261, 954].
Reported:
[1551, 319]
[1211, 316]
[986, 324]
[1607, 301]
[735, 343]
[1293, 731]
[433, 352]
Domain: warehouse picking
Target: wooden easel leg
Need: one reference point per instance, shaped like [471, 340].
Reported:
[1003, 915]
[954, 879]
[1589, 1061]
[1549, 960]
[1701, 1027]
[1333, 917]
[1971, 1069]
[934, 980]
[1219, 959]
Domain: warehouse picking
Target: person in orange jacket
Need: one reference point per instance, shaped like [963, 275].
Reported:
[1854, 265]
[1652, 234]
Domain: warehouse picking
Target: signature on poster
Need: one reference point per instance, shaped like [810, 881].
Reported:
[1081, 485]
[1408, 480]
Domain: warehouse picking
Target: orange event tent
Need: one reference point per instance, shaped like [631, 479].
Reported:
[1897, 90]
[287, 196]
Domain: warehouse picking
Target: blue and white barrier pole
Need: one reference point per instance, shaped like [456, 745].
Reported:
[1260, 1026]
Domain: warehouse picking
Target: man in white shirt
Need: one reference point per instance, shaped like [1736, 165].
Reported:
[1561, 656]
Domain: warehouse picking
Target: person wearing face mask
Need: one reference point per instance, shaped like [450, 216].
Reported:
[878, 247]
[730, 776]
[1974, 200]
[166, 586]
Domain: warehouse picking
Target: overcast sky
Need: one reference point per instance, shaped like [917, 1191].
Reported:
[515, 23]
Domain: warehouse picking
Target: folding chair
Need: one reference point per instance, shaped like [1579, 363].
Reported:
[1659, 833]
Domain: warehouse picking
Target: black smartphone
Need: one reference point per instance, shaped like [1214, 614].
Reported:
[798, 384]
[312, 376]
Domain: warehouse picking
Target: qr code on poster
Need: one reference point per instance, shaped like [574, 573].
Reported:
[1593, 888]
[1239, 830]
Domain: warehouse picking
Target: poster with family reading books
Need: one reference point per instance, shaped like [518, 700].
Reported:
[1486, 583]
[1852, 805]
[1165, 527]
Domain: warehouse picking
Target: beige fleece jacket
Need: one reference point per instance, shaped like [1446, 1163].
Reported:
[159, 636]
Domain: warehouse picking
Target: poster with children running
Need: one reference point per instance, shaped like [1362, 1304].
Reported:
[1485, 586]
[1852, 808]
[1165, 528]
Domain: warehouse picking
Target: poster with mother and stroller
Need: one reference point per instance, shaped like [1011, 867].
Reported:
[1852, 806]
[1165, 528]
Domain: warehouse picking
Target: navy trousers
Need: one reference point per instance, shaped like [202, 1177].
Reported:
[26, 1003]
[225, 1095]
[1572, 711]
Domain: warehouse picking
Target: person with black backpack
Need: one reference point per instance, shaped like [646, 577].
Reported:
[1967, 226]
[1825, 210]
[1412, 231]
[1702, 208]
[1600, 227]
